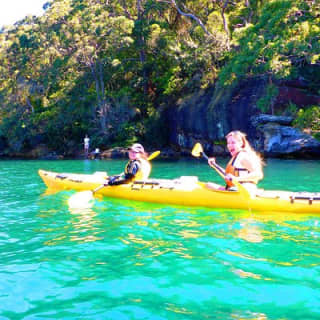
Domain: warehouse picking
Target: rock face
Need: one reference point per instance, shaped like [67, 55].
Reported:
[296, 92]
[284, 141]
[208, 116]
[115, 153]
[267, 118]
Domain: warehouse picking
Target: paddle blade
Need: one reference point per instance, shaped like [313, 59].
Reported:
[83, 199]
[197, 150]
[153, 155]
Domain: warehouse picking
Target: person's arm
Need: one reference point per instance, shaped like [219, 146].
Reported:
[255, 171]
[212, 161]
[115, 180]
[124, 177]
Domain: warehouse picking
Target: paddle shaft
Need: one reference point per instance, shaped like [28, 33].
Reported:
[97, 188]
[222, 173]
[220, 170]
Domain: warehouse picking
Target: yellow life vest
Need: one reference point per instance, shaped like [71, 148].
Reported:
[140, 169]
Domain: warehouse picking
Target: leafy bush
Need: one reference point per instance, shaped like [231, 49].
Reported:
[309, 118]
[284, 39]
[266, 102]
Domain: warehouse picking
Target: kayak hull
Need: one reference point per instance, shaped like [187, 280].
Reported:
[186, 191]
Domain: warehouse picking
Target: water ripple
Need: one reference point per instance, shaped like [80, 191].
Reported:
[128, 260]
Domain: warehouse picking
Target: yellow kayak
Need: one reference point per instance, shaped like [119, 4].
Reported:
[186, 191]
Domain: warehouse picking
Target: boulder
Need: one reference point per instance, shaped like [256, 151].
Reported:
[268, 118]
[285, 141]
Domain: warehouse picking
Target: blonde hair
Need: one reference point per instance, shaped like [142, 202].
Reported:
[145, 155]
[240, 136]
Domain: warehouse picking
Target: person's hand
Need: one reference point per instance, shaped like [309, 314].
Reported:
[230, 177]
[212, 161]
[112, 180]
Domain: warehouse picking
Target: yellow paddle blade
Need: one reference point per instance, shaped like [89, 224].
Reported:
[153, 155]
[197, 150]
[81, 199]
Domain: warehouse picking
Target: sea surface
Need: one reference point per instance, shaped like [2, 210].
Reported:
[121, 259]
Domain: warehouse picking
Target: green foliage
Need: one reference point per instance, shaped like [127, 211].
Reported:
[309, 118]
[292, 109]
[220, 142]
[285, 37]
[265, 103]
[126, 135]
[105, 67]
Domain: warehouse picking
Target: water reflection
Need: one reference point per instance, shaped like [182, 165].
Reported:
[189, 228]
[49, 192]
[249, 316]
[64, 223]
[159, 230]
[156, 247]
[86, 225]
[250, 231]
[255, 227]
[178, 309]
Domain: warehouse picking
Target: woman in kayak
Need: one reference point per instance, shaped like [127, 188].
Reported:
[245, 164]
[138, 167]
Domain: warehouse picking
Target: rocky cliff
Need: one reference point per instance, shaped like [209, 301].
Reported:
[209, 115]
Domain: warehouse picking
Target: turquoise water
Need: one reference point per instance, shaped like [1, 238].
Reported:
[131, 260]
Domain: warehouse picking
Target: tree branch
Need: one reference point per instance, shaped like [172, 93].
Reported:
[189, 15]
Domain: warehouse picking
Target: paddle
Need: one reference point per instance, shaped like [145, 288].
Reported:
[153, 155]
[82, 199]
[197, 152]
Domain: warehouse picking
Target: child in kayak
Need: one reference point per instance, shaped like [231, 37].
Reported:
[245, 164]
[138, 167]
